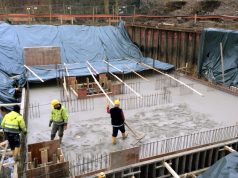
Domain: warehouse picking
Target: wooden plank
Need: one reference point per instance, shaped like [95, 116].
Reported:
[59, 152]
[59, 170]
[4, 153]
[44, 148]
[29, 157]
[44, 157]
[124, 157]
[35, 163]
[34, 149]
[54, 158]
[61, 158]
[15, 171]
[29, 165]
[43, 55]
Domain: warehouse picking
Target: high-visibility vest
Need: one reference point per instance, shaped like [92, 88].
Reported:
[59, 116]
[13, 122]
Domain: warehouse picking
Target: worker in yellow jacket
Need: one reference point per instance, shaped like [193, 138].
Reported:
[59, 118]
[12, 124]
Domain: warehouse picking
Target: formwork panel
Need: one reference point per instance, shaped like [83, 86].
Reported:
[34, 148]
[124, 157]
[42, 56]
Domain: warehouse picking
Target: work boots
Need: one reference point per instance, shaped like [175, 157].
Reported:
[114, 140]
[124, 135]
[16, 153]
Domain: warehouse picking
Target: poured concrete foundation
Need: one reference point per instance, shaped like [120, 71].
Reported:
[89, 132]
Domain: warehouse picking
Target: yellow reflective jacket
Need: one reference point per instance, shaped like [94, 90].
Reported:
[13, 122]
[59, 116]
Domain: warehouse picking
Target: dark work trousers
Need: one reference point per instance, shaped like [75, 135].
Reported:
[55, 128]
[13, 139]
[115, 130]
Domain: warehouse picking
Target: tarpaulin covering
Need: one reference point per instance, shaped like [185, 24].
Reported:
[78, 44]
[209, 62]
[226, 167]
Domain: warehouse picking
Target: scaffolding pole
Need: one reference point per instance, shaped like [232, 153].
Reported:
[137, 94]
[34, 73]
[109, 99]
[137, 73]
[113, 66]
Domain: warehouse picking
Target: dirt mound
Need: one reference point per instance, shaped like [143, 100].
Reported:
[191, 7]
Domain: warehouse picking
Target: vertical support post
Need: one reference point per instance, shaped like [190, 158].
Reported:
[93, 15]
[222, 63]
[134, 13]
[50, 12]
[195, 19]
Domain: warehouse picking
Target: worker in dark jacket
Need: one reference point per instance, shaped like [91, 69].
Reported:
[117, 121]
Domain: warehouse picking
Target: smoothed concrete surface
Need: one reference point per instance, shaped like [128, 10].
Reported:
[89, 132]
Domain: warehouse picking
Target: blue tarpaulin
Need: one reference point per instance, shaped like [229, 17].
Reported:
[78, 45]
[226, 167]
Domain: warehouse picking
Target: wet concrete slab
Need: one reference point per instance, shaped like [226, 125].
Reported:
[89, 132]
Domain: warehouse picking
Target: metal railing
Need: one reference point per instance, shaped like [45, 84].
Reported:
[165, 82]
[147, 100]
[83, 165]
[68, 9]
[188, 141]
[76, 105]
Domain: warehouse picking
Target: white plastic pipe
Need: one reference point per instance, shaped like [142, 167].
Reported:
[92, 68]
[67, 71]
[113, 66]
[65, 88]
[9, 104]
[109, 99]
[229, 149]
[170, 169]
[141, 63]
[222, 63]
[34, 73]
[137, 73]
[137, 94]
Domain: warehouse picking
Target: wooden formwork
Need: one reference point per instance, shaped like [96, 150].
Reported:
[43, 55]
[90, 89]
[46, 160]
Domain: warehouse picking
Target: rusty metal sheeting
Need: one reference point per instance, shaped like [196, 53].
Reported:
[176, 47]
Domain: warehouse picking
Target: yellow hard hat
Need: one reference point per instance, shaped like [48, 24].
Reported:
[117, 102]
[101, 175]
[54, 102]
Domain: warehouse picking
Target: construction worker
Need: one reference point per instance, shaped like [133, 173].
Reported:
[59, 118]
[117, 121]
[101, 175]
[12, 124]
[4, 111]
